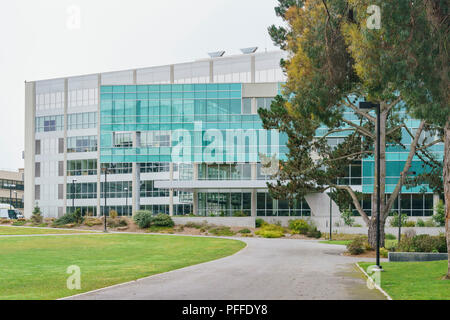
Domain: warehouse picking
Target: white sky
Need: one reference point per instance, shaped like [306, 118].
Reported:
[37, 42]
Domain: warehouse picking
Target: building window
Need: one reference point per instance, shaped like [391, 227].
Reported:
[118, 168]
[117, 189]
[148, 167]
[155, 139]
[267, 206]
[49, 123]
[148, 190]
[123, 139]
[85, 120]
[82, 167]
[86, 190]
[82, 144]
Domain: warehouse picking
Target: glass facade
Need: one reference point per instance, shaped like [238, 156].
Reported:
[173, 120]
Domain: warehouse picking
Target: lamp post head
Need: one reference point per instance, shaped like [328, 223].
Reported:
[368, 105]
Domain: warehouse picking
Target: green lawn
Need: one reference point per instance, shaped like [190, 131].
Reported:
[35, 267]
[32, 230]
[414, 280]
[388, 243]
[342, 242]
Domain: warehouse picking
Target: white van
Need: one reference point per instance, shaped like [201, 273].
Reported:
[8, 212]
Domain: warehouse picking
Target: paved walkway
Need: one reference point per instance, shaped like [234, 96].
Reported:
[265, 269]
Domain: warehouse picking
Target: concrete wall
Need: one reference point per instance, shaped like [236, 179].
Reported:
[247, 222]
[30, 96]
[323, 224]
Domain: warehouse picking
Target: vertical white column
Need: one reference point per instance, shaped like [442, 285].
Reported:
[66, 105]
[195, 192]
[99, 167]
[253, 203]
[436, 200]
[252, 68]
[171, 189]
[29, 143]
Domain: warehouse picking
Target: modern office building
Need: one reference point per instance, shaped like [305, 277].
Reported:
[180, 139]
[11, 188]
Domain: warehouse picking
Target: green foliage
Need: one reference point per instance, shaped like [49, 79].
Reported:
[162, 220]
[299, 226]
[420, 223]
[195, 225]
[19, 223]
[36, 216]
[346, 215]
[222, 231]
[143, 218]
[113, 214]
[70, 218]
[356, 246]
[239, 214]
[389, 236]
[394, 220]
[270, 231]
[439, 216]
[384, 252]
[313, 232]
[245, 230]
[259, 222]
[423, 243]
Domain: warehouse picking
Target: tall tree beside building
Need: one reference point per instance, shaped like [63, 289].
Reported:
[326, 77]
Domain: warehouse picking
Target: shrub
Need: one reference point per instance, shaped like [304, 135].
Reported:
[269, 233]
[113, 214]
[19, 223]
[357, 225]
[420, 223]
[69, 218]
[245, 231]
[194, 225]
[423, 243]
[384, 252]
[92, 221]
[36, 217]
[389, 236]
[123, 222]
[356, 246]
[259, 223]
[410, 224]
[222, 231]
[143, 218]
[239, 214]
[439, 216]
[430, 223]
[346, 215]
[162, 220]
[299, 226]
[313, 233]
[394, 220]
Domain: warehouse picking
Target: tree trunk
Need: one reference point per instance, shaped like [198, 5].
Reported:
[373, 233]
[446, 179]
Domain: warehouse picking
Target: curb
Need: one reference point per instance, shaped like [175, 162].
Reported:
[374, 284]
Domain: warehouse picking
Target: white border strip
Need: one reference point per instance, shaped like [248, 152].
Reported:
[374, 284]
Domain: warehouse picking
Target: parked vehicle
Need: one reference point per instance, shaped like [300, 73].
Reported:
[9, 212]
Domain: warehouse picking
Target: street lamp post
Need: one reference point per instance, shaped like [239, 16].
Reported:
[15, 204]
[400, 205]
[105, 170]
[126, 200]
[73, 195]
[331, 217]
[371, 105]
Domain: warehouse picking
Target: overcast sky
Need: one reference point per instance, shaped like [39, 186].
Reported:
[42, 39]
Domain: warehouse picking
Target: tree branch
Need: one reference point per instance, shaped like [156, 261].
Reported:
[355, 201]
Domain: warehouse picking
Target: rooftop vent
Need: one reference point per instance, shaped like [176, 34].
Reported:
[249, 50]
[216, 54]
